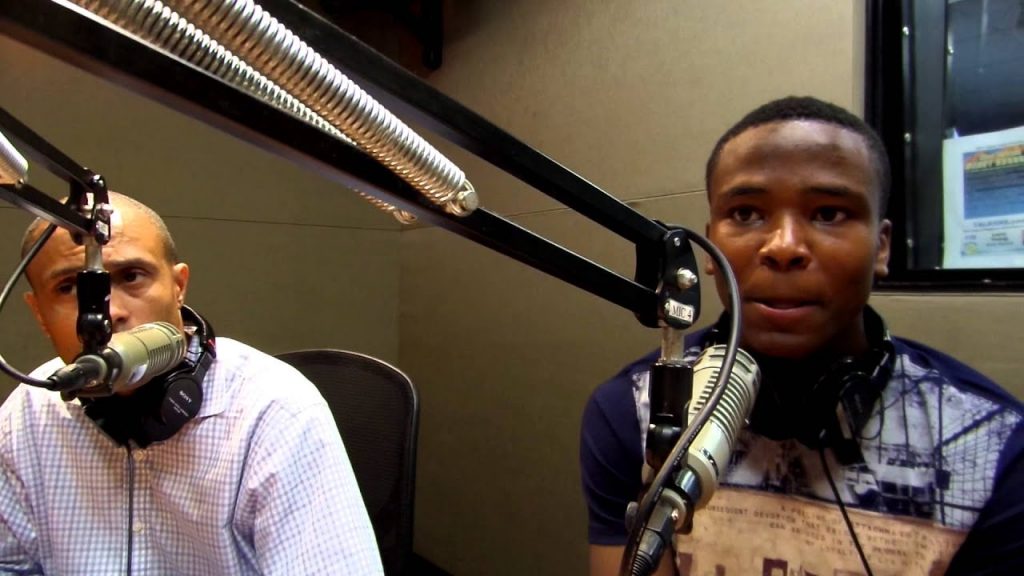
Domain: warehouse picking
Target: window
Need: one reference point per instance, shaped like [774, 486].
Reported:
[945, 88]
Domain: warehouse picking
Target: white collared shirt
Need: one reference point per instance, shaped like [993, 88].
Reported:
[258, 483]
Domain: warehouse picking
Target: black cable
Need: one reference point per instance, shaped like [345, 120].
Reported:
[8, 288]
[842, 508]
[131, 509]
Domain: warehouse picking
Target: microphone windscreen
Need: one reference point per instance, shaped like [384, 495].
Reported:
[144, 352]
[709, 453]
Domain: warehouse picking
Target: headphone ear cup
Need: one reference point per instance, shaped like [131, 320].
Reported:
[849, 416]
[857, 386]
[178, 403]
[819, 413]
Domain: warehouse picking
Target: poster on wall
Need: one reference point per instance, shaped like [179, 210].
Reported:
[983, 183]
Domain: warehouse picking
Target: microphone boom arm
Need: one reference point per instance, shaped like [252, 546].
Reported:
[74, 35]
[664, 292]
[80, 179]
[94, 326]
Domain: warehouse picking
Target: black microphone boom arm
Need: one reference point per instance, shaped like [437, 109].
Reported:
[80, 179]
[94, 45]
[94, 326]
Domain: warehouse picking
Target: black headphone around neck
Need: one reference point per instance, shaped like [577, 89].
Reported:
[834, 407]
[162, 406]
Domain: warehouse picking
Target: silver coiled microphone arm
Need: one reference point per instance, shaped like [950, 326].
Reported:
[256, 37]
[154, 22]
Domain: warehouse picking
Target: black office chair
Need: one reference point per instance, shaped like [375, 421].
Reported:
[377, 412]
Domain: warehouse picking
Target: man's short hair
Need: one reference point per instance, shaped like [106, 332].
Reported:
[810, 108]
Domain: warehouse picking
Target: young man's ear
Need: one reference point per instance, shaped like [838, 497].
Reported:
[33, 305]
[884, 243]
[709, 264]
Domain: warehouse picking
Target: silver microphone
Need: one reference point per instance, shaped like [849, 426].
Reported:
[707, 457]
[128, 361]
[709, 453]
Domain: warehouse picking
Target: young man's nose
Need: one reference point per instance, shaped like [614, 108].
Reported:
[786, 246]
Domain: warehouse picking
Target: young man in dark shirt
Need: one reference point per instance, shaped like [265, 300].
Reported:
[924, 452]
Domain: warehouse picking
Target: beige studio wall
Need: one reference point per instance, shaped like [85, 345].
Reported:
[281, 257]
[632, 96]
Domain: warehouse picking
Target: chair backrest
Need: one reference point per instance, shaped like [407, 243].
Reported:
[377, 412]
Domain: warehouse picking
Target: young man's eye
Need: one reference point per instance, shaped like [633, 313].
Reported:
[830, 215]
[745, 215]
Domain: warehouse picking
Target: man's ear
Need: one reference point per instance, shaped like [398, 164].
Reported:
[180, 274]
[709, 264]
[884, 243]
[33, 305]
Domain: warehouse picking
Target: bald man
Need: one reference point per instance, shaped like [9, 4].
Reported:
[258, 482]
[148, 283]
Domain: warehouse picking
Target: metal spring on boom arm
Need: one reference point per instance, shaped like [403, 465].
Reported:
[273, 50]
[157, 24]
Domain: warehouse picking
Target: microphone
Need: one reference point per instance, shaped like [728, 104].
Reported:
[708, 455]
[706, 459]
[128, 361]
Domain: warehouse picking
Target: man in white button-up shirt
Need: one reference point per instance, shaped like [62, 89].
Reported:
[258, 482]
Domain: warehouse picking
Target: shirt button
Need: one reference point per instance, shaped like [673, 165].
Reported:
[138, 527]
[139, 455]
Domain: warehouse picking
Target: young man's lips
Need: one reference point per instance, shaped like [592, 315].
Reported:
[783, 305]
[784, 311]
